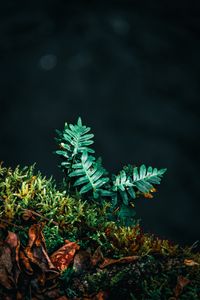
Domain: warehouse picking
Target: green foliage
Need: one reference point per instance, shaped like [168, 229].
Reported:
[66, 276]
[94, 180]
[53, 238]
[65, 280]
[87, 223]
[66, 215]
[143, 177]
[25, 189]
[123, 184]
[73, 140]
[91, 175]
[123, 240]
[96, 280]
[126, 215]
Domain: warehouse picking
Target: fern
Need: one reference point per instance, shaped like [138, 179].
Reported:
[143, 177]
[122, 184]
[73, 140]
[126, 186]
[141, 180]
[91, 175]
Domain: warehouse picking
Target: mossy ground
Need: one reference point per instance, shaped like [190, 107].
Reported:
[27, 198]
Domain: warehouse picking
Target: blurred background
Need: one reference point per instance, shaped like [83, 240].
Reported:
[131, 70]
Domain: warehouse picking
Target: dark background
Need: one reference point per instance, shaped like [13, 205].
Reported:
[131, 70]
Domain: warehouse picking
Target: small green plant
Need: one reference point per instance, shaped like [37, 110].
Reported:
[86, 175]
[53, 238]
[96, 211]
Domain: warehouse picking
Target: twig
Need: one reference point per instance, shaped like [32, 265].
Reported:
[41, 216]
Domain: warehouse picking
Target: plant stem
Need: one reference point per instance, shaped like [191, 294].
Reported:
[41, 216]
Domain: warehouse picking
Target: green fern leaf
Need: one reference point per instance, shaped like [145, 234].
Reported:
[122, 184]
[143, 177]
[91, 176]
[98, 164]
[86, 188]
[73, 141]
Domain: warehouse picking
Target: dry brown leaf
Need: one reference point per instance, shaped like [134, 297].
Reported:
[36, 251]
[110, 261]
[14, 243]
[181, 283]
[9, 261]
[24, 261]
[63, 256]
[28, 269]
[6, 266]
[190, 262]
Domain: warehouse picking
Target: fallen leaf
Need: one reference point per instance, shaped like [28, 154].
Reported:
[6, 265]
[14, 243]
[25, 263]
[36, 251]
[63, 256]
[27, 269]
[110, 261]
[190, 262]
[181, 283]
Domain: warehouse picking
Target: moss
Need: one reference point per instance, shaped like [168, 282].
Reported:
[27, 197]
[96, 280]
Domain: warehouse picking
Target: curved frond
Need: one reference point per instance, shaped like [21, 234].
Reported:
[73, 140]
[88, 175]
[144, 177]
[91, 177]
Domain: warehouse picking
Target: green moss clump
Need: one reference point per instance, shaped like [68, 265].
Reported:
[27, 197]
[25, 193]
[96, 211]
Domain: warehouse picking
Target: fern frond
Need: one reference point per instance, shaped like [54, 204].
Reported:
[73, 140]
[144, 177]
[91, 177]
[124, 186]
[98, 164]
